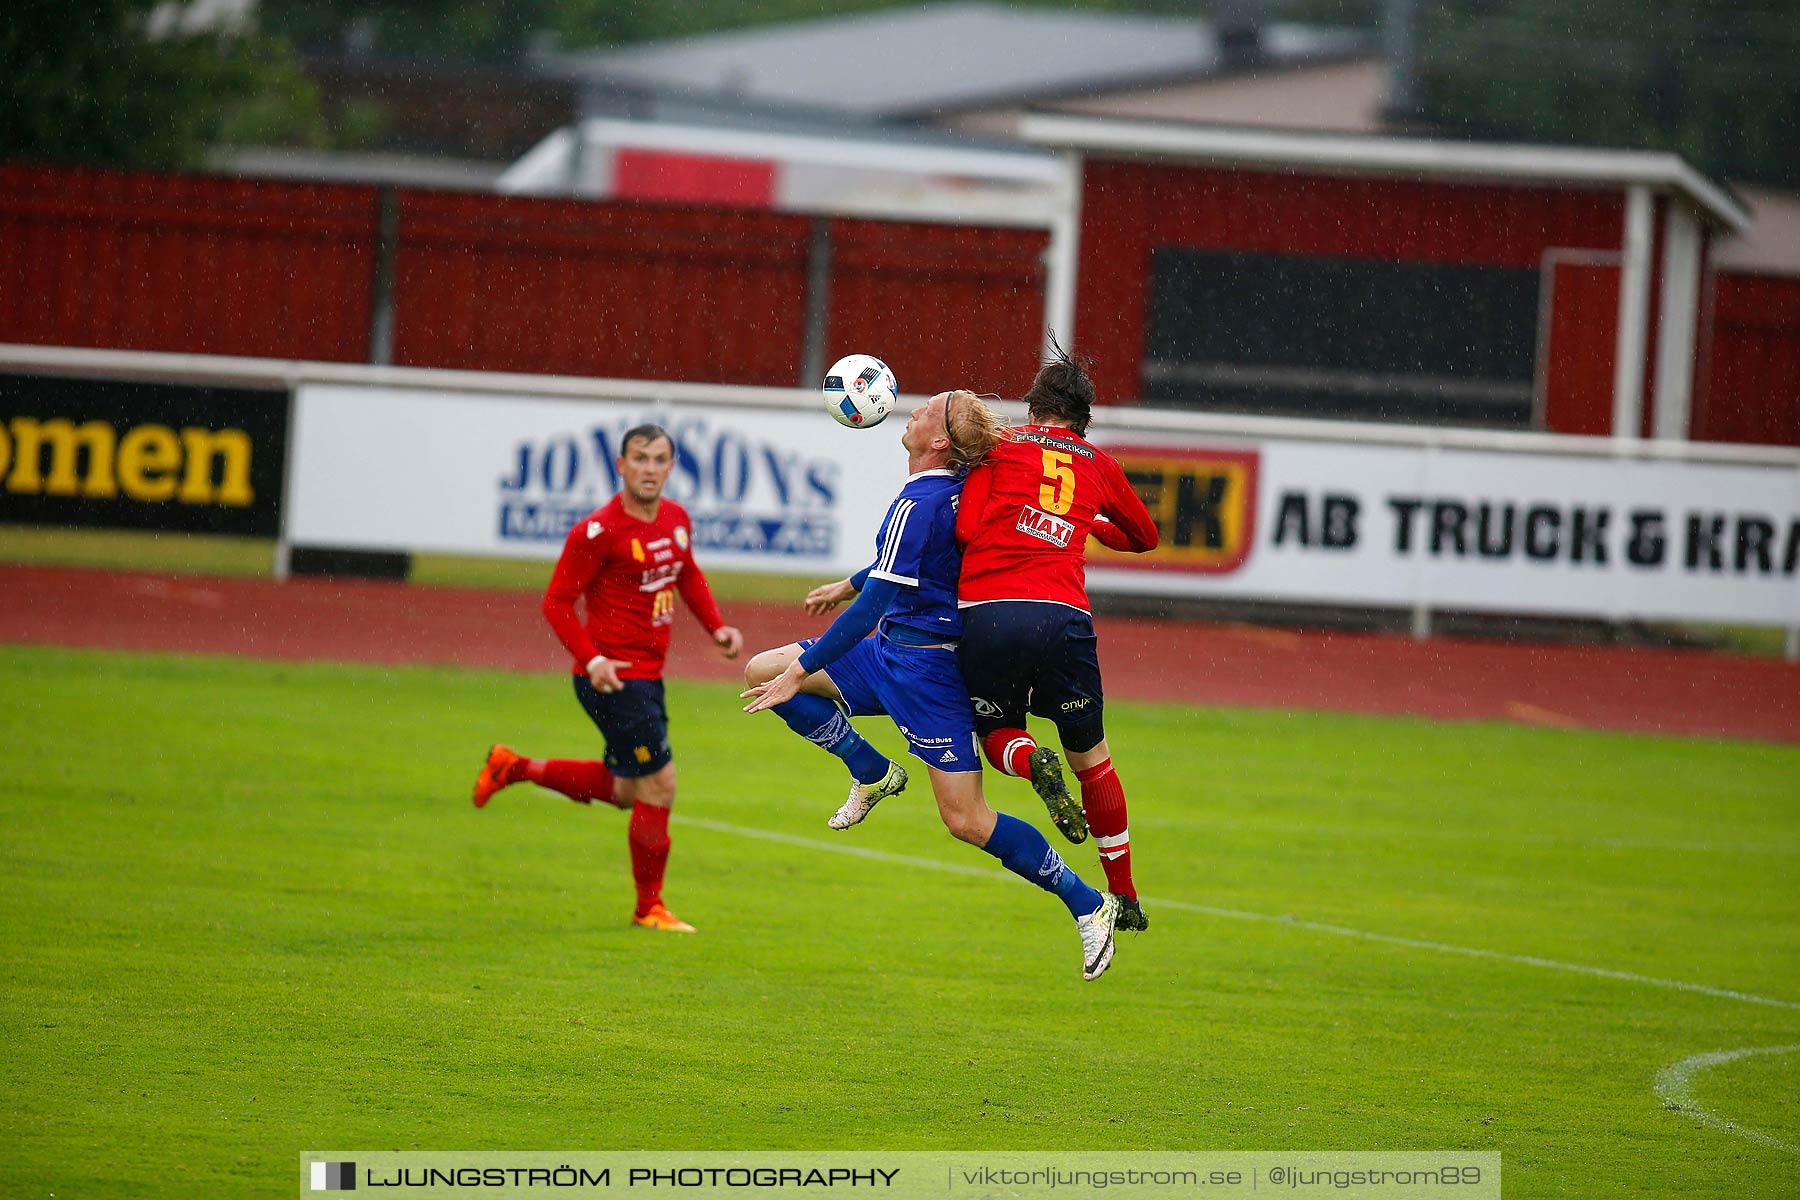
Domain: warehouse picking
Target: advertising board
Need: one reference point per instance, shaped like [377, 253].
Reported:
[1485, 523]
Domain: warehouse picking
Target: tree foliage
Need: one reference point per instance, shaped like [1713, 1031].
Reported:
[1712, 80]
[82, 82]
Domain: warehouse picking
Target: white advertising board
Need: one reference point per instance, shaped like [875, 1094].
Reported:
[459, 473]
[1422, 526]
[1267, 517]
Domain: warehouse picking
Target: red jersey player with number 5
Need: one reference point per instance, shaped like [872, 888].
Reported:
[1028, 637]
[625, 562]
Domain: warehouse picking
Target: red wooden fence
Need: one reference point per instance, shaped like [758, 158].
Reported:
[194, 263]
[151, 261]
[218, 265]
[1751, 390]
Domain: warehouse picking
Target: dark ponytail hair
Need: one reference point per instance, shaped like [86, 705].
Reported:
[1063, 389]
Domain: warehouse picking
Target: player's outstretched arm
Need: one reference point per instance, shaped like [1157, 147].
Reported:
[828, 596]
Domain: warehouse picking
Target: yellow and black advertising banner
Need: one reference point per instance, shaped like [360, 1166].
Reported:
[1203, 503]
[126, 455]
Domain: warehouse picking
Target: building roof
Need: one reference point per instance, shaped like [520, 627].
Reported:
[903, 175]
[908, 62]
[1336, 97]
[1342, 96]
[1354, 154]
[1772, 245]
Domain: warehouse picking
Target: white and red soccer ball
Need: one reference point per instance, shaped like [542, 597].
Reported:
[860, 391]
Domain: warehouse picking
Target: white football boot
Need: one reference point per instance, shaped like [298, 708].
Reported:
[1097, 937]
[865, 796]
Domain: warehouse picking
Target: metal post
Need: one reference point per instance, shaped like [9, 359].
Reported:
[1634, 317]
[1061, 255]
[1421, 622]
[1671, 416]
[282, 566]
[381, 319]
[1421, 605]
[818, 304]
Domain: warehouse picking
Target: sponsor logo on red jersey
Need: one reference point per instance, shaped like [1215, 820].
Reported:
[1041, 525]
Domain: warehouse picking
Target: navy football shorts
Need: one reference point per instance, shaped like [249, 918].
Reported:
[634, 723]
[920, 688]
[1022, 656]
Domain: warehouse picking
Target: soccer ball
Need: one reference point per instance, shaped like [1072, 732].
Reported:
[860, 391]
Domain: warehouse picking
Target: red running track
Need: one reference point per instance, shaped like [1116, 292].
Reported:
[1689, 692]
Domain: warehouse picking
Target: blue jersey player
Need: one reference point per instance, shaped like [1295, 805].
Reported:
[909, 671]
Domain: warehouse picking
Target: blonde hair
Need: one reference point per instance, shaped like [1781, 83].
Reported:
[971, 427]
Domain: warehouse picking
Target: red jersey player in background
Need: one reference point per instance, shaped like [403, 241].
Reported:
[1028, 637]
[625, 562]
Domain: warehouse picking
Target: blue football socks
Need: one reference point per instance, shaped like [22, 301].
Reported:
[823, 723]
[1025, 852]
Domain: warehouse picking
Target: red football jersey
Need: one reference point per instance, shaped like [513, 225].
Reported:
[1027, 511]
[627, 572]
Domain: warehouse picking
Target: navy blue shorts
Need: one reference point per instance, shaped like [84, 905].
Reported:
[920, 688]
[634, 723]
[1020, 656]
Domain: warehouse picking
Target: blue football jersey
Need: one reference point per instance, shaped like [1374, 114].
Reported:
[916, 548]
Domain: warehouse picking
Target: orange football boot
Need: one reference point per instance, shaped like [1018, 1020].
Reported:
[661, 918]
[500, 760]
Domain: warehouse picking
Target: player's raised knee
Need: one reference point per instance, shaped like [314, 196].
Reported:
[770, 663]
[761, 668]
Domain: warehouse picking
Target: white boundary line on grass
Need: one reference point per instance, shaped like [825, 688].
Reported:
[1673, 1088]
[1672, 1082]
[1528, 960]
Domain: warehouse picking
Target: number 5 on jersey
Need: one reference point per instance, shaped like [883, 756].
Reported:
[1057, 493]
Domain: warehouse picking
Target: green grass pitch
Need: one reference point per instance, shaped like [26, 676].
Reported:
[249, 911]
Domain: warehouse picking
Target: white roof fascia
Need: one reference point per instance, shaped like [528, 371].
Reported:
[1003, 211]
[544, 167]
[1362, 155]
[1027, 165]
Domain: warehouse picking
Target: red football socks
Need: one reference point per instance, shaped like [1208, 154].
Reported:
[649, 837]
[1009, 750]
[579, 781]
[1103, 797]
